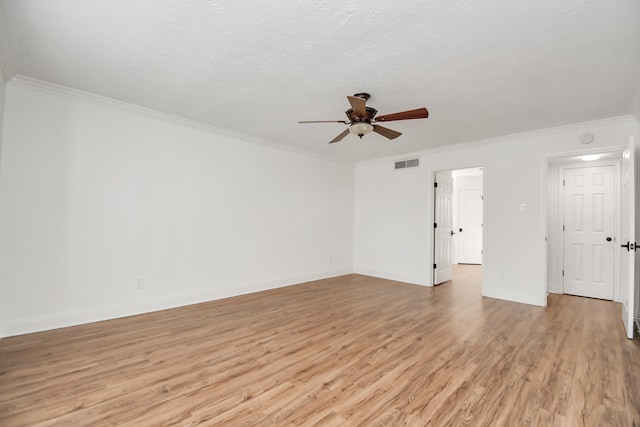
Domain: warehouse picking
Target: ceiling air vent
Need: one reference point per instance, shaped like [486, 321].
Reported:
[411, 163]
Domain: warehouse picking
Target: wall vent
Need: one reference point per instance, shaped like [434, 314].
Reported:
[411, 163]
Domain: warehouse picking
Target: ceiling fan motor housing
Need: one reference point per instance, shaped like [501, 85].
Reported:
[354, 118]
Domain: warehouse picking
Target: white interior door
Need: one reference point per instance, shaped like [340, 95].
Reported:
[589, 220]
[469, 237]
[443, 232]
[627, 234]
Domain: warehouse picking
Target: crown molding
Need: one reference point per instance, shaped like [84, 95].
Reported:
[504, 138]
[6, 64]
[88, 96]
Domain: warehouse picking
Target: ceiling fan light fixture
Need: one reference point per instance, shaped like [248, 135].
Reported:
[361, 128]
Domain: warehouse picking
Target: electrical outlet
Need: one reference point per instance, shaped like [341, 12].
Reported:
[140, 284]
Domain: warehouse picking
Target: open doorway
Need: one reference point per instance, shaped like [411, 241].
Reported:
[590, 227]
[458, 225]
[583, 225]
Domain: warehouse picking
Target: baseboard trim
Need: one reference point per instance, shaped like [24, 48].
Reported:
[398, 277]
[541, 302]
[22, 326]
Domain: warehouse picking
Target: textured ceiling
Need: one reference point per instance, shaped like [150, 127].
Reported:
[483, 68]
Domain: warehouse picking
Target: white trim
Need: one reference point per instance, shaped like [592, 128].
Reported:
[87, 96]
[506, 139]
[616, 216]
[6, 62]
[541, 302]
[544, 198]
[398, 277]
[75, 93]
[625, 315]
[60, 320]
[432, 234]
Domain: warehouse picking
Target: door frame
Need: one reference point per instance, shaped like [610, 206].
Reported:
[571, 161]
[431, 198]
[628, 225]
[616, 214]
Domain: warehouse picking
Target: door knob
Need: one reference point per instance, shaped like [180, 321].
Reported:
[626, 246]
[609, 239]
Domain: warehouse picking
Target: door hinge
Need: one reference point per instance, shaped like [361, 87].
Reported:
[435, 185]
[434, 266]
[562, 227]
[562, 273]
[563, 183]
[435, 225]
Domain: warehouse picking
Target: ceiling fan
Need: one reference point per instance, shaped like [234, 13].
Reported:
[363, 120]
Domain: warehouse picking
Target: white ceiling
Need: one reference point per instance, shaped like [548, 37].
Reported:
[483, 68]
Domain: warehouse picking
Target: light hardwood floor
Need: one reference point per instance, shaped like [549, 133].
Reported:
[347, 351]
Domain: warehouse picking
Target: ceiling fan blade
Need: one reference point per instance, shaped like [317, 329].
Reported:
[340, 137]
[386, 132]
[359, 105]
[419, 113]
[325, 121]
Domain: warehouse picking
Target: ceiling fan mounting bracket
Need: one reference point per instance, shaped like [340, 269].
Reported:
[363, 95]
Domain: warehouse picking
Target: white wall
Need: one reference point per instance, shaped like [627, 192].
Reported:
[394, 213]
[96, 195]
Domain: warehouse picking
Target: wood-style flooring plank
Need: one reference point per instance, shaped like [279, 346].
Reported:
[347, 351]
